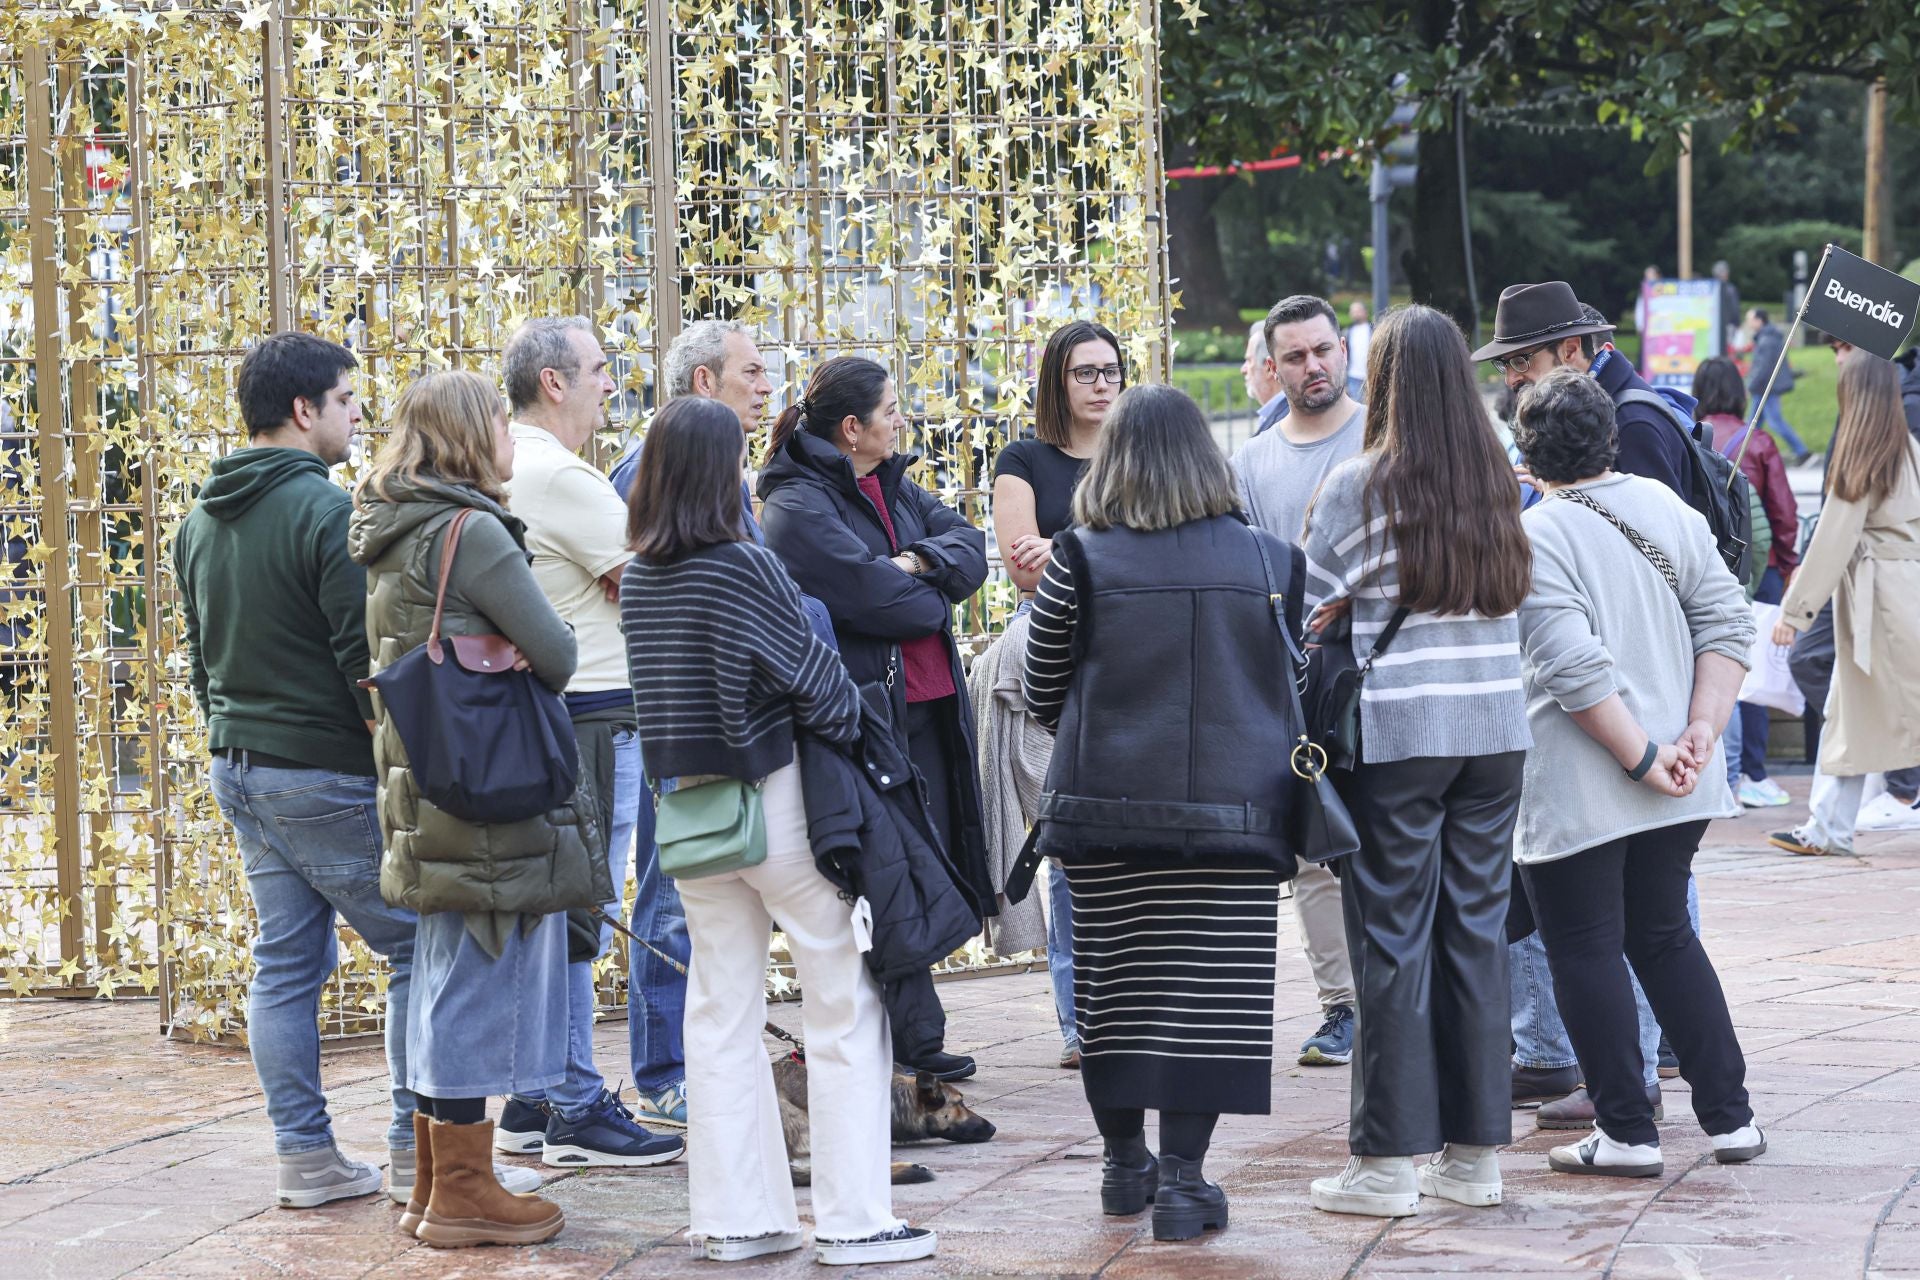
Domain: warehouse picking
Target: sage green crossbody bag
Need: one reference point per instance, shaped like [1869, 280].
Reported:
[711, 829]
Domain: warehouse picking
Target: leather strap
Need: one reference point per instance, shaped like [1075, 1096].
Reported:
[434, 649]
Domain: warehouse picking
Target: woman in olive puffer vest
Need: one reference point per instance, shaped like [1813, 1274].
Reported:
[488, 1013]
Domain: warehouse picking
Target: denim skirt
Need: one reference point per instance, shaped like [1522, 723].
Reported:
[478, 1026]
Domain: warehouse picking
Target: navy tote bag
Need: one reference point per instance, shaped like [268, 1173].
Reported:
[487, 743]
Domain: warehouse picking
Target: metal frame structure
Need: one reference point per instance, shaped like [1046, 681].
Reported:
[935, 187]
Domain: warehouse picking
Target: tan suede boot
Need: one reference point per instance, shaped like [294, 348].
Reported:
[468, 1206]
[422, 1176]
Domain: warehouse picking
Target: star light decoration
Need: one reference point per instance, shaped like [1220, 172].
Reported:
[935, 186]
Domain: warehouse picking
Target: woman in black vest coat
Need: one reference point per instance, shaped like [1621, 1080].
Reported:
[890, 561]
[1158, 658]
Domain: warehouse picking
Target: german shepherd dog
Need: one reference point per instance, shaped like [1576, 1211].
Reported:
[923, 1107]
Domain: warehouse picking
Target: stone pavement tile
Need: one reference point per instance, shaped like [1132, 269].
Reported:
[1833, 1225]
[1771, 1076]
[1478, 1250]
[291, 1257]
[34, 1197]
[1896, 1248]
[74, 1260]
[152, 1224]
[556, 1260]
[1825, 1051]
[1849, 1112]
[1810, 1019]
[1729, 1262]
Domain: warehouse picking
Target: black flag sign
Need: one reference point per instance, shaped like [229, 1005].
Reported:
[1858, 302]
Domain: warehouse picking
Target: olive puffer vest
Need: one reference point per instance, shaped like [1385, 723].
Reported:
[435, 861]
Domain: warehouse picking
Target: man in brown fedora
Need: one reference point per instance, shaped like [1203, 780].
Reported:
[1539, 327]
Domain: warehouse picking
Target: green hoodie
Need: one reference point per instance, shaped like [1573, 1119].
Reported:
[277, 611]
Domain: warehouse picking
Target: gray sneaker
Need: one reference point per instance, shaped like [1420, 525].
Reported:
[316, 1177]
[403, 1167]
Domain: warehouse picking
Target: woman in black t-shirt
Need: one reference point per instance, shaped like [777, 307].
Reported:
[1082, 373]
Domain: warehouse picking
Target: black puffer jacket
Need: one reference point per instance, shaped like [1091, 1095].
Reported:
[831, 540]
[871, 837]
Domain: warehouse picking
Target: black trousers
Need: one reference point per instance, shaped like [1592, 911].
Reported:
[918, 1019]
[1630, 895]
[1811, 662]
[1426, 911]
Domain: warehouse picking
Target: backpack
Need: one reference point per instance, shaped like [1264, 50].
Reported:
[1720, 490]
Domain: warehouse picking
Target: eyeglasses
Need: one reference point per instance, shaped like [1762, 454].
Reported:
[1088, 374]
[1518, 362]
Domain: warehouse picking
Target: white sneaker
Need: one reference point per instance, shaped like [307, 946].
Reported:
[1599, 1154]
[1739, 1146]
[1884, 813]
[1373, 1186]
[740, 1248]
[1465, 1175]
[309, 1179]
[1764, 794]
[902, 1244]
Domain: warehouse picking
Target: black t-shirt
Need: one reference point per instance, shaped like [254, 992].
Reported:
[1053, 475]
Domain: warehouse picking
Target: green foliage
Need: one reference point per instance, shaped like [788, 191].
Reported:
[1209, 346]
[1524, 235]
[1760, 258]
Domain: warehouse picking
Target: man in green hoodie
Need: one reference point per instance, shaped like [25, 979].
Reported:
[276, 636]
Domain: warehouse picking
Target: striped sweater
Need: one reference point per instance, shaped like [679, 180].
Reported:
[724, 665]
[1448, 685]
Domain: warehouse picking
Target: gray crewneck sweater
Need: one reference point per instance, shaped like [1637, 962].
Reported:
[1601, 620]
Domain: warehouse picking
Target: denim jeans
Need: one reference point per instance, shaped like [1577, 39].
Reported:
[1754, 725]
[1776, 422]
[583, 1084]
[1060, 954]
[310, 845]
[1539, 1036]
[1730, 741]
[657, 994]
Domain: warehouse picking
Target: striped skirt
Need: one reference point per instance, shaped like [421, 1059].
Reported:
[1173, 985]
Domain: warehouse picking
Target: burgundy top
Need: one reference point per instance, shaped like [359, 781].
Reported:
[924, 661]
[1766, 471]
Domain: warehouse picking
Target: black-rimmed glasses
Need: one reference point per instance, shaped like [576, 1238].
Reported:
[1088, 374]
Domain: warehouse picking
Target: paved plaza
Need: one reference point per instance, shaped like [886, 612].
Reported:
[124, 1154]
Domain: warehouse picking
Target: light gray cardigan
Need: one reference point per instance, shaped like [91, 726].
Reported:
[1601, 620]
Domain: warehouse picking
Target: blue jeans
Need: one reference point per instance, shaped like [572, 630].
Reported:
[1776, 422]
[657, 993]
[1539, 1036]
[1754, 726]
[1730, 742]
[584, 1083]
[310, 845]
[1060, 954]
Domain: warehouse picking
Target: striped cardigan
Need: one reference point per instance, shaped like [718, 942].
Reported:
[724, 665]
[1448, 685]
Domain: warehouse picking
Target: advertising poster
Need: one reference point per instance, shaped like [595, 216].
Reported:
[1683, 328]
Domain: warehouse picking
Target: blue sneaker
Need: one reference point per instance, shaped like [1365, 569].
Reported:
[605, 1136]
[663, 1108]
[522, 1126]
[1332, 1044]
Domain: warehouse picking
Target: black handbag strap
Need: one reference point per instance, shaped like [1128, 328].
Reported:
[1386, 638]
[1308, 760]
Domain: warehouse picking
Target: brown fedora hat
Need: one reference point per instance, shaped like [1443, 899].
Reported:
[1532, 315]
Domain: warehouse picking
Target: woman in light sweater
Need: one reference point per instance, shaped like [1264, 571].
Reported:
[1636, 638]
[1425, 523]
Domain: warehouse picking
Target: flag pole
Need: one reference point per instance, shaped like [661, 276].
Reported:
[1786, 347]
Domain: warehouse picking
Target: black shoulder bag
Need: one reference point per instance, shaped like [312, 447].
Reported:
[1334, 684]
[1317, 819]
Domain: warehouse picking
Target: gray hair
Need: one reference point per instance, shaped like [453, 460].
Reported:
[701, 345]
[1158, 465]
[535, 346]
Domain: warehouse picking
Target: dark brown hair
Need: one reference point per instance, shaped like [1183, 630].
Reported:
[1052, 420]
[843, 387]
[686, 491]
[1440, 475]
[1871, 443]
[1718, 388]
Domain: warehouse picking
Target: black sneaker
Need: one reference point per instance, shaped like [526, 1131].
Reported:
[946, 1066]
[522, 1127]
[1332, 1044]
[902, 1244]
[606, 1136]
[1669, 1063]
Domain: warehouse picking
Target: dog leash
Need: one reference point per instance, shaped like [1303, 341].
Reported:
[799, 1050]
[600, 914]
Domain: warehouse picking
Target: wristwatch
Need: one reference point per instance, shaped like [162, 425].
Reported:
[919, 565]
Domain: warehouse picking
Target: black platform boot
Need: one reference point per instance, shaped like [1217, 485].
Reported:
[1128, 1178]
[1185, 1204]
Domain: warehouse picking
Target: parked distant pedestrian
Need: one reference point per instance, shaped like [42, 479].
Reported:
[557, 388]
[1636, 638]
[488, 1013]
[1731, 337]
[275, 614]
[1865, 556]
[1262, 379]
[1359, 336]
[1769, 344]
[1157, 655]
[1423, 528]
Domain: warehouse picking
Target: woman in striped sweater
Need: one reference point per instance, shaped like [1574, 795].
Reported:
[1424, 526]
[725, 667]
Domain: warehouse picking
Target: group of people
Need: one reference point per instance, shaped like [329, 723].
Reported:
[1524, 619]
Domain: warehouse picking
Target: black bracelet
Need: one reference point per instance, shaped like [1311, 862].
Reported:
[1639, 771]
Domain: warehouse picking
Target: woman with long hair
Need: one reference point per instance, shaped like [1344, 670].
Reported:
[488, 1013]
[1159, 656]
[1636, 637]
[1082, 372]
[1418, 542]
[889, 560]
[1865, 557]
[726, 671]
